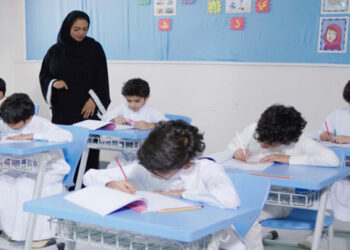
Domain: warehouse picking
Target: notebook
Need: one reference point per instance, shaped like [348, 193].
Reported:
[103, 200]
[96, 124]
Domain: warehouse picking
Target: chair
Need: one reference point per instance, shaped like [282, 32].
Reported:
[73, 152]
[253, 192]
[36, 109]
[179, 117]
[304, 219]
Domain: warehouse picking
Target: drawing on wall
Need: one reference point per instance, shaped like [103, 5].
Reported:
[144, 2]
[335, 6]
[164, 7]
[332, 36]
[187, 1]
[214, 6]
[262, 6]
[234, 6]
[164, 24]
[237, 23]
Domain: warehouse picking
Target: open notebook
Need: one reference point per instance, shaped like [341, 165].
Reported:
[96, 124]
[103, 200]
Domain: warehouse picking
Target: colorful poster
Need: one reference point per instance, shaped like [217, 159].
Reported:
[164, 7]
[234, 6]
[335, 6]
[333, 34]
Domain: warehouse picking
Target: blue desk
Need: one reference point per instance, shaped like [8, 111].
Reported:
[186, 226]
[305, 177]
[128, 139]
[25, 151]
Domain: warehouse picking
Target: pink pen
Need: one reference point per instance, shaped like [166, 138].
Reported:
[325, 123]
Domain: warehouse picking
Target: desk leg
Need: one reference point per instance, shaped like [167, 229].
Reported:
[36, 195]
[81, 169]
[320, 219]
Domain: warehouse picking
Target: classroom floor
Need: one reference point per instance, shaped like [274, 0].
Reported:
[293, 237]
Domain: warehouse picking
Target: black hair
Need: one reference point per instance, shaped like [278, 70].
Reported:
[64, 38]
[16, 108]
[2, 86]
[280, 124]
[169, 146]
[346, 92]
[136, 87]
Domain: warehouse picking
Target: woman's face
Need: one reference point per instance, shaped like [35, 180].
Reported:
[331, 35]
[79, 30]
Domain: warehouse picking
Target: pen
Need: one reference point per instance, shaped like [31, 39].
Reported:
[169, 210]
[325, 123]
[240, 144]
[272, 175]
[121, 168]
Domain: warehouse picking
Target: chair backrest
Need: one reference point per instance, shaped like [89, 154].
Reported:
[73, 152]
[36, 109]
[340, 154]
[253, 192]
[179, 117]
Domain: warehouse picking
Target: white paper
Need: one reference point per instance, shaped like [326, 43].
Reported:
[123, 127]
[332, 144]
[91, 124]
[250, 164]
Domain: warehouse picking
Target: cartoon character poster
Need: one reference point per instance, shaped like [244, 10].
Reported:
[164, 7]
[235, 6]
[335, 6]
[333, 34]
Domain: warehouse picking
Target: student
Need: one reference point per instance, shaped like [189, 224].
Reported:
[19, 123]
[339, 132]
[168, 162]
[277, 138]
[137, 112]
[2, 90]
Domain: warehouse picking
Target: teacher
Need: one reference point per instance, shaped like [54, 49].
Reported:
[74, 77]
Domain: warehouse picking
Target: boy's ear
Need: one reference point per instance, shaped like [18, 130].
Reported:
[188, 165]
[148, 97]
[28, 120]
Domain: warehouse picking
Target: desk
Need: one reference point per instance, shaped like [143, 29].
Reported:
[22, 154]
[185, 226]
[305, 177]
[128, 139]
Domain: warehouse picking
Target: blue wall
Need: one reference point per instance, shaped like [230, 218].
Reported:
[127, 31]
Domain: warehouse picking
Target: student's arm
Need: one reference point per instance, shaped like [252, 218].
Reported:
[244, 138]
[330, 121]
[310, 152]
[51, 132]
[342, 139]
[142, 125]
[124, 186]
[218, 189]
[114, 113]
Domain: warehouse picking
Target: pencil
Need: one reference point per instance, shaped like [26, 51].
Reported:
[240, 144]
[121, 168]
[325, 123]
[272, 175]
[179, 209]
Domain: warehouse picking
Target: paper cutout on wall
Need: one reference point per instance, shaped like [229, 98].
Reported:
[262, 6]
[214, 6]
[164, 24]
[238, 6]
[187, 1]
[144, 2]
[237, 23]
[164, 7]
[335, 6]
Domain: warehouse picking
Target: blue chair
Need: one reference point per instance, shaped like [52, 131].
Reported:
[304, 219]
[179, 117]
[253, 191]
[73, 152]
[36, 109]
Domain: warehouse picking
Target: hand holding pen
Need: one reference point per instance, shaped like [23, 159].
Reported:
[241, 154]
[326, 136]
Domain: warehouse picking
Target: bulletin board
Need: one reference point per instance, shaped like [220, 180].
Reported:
[273, 31]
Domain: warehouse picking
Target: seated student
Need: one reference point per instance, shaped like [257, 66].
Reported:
[2, 90]
[277, 138]
[338, 123]
[19, 123]
[168, 164]
[137, 112]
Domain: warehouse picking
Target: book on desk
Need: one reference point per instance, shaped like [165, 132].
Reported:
[96, 124]
[103, 200]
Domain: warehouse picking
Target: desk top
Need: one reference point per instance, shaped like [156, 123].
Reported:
[32, 147]
[306, 177]
[130, 134]
[185, 226]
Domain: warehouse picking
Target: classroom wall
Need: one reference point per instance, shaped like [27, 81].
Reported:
[221, 98]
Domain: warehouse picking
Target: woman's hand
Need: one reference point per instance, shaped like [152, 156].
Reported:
[88, 109]
[60, 85]
[21, 137]
[275, 158]
[123, 186]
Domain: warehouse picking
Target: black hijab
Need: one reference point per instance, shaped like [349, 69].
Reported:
[64, 38]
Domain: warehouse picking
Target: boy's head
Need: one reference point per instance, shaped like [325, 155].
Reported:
[169, 147]
[17, 110]
[346, 92]
[279, 125]
[2, 88]
[136, 92]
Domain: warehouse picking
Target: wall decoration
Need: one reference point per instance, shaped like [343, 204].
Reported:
[214, 6]
[237, 23]
[234, 6]
[164, 7]
[333, 34]
[262, 6]
[144, 2]
[335, 6]
[187, 1]
[164, 24]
